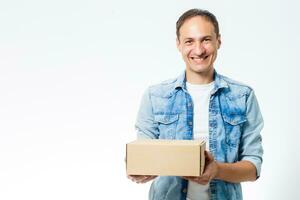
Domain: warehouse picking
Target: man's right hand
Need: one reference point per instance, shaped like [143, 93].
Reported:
[140, 178]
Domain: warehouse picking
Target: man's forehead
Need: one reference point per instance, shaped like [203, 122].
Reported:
[197, 26]
[197, 23]
[196, 33]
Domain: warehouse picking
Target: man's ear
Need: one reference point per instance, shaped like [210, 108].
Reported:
[219, 41]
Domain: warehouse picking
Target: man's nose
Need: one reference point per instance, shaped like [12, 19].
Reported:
[199, 49]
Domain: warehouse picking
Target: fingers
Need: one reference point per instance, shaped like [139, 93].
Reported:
[189, 178]
[140, 178]
[203, 180]
[136, 178]
[148, 178]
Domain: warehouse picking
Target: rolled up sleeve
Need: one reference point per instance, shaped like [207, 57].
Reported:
[251, 142]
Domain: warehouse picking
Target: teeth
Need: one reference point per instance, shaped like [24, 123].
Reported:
[198, 60]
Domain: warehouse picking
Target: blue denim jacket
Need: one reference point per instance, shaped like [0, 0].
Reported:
[235, 122]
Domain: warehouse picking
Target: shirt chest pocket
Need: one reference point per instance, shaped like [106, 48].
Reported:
[233, 128]
[234, 117]
[167, 124]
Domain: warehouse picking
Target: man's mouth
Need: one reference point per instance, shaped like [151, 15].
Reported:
[199, 59]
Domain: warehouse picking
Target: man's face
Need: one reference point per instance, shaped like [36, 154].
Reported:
[198, 44]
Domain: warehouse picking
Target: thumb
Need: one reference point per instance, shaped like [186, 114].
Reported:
[208, 156]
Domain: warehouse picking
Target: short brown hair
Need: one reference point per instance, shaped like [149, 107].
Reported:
[197, 12]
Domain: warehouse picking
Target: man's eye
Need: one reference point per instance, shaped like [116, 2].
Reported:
[188, 42]
[207, 39]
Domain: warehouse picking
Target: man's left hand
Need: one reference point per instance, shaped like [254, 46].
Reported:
[210, 171]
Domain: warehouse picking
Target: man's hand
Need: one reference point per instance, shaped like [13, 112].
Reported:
[210, 171]
[140, 178]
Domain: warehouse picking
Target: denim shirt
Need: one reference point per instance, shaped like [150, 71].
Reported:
[235, 122]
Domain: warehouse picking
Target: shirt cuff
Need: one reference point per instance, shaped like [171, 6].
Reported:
[256, 161]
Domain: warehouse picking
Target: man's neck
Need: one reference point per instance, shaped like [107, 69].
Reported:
[200, 77]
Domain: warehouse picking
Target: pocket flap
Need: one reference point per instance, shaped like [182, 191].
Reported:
[234, 110]
[234, 119]
[166, 119]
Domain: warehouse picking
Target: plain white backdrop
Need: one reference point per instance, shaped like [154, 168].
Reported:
[72, 74]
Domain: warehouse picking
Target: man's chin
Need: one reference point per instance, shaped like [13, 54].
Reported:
[200, 69]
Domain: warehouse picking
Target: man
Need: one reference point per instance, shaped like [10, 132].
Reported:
[202, 104]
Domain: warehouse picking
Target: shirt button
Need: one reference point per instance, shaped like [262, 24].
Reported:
[189, 104]
[184, 190]
[190, 123]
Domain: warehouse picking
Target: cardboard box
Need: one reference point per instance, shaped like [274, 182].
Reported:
[165, 157]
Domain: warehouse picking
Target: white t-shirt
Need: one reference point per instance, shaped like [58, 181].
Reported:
[200, 95]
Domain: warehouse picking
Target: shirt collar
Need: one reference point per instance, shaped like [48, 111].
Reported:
[219, 82]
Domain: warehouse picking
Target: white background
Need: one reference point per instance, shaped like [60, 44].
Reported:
[72, 74]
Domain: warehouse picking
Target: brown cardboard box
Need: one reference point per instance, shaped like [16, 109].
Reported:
[165, 157]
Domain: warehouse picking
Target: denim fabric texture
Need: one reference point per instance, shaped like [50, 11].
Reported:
[235, 123]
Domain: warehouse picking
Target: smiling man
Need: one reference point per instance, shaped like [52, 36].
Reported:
[202, 104]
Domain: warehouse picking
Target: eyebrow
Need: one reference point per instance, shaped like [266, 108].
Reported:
[201, 38]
